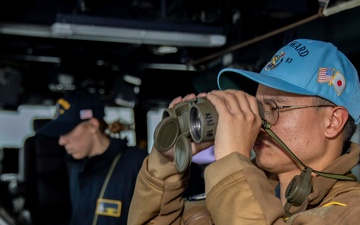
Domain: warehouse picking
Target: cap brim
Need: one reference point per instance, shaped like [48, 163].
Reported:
[230, 78]
[55, 129]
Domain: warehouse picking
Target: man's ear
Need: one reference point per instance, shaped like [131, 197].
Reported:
[94, 124]
[338, 120]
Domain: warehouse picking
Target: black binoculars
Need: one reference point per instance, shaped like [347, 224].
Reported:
[194, 120]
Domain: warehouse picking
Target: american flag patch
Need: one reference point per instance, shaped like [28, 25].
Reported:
[86, 114]
[325, 75]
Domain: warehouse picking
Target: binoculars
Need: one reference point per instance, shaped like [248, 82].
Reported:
[192, 120]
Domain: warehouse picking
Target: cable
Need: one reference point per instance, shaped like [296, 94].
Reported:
[266, 127]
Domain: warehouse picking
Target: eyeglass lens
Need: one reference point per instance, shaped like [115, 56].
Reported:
[270, 111]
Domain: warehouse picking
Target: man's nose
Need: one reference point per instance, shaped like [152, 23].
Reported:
[62, 140]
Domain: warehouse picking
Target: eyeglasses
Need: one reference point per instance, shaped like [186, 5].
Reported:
[271, 109]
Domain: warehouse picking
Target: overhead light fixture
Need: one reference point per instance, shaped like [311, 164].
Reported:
[165, 50]
[135, 36]
[114, 34]
[168, 66]
[80, 27]
[136, 31]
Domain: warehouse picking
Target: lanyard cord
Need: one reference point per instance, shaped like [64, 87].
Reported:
[266, 127]
[108, 176]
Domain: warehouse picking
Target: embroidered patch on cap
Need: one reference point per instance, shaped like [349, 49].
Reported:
[275, 61]
[86, 114]
[62, 106]
[325, 75]
[333, 77]
[339, 83]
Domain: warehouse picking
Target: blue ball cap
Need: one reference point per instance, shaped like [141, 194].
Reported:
[72, 110]
[307, 67]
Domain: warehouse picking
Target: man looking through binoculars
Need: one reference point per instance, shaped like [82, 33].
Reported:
[309, 93]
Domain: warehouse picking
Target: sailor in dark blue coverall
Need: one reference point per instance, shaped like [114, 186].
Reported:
[102, 169]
